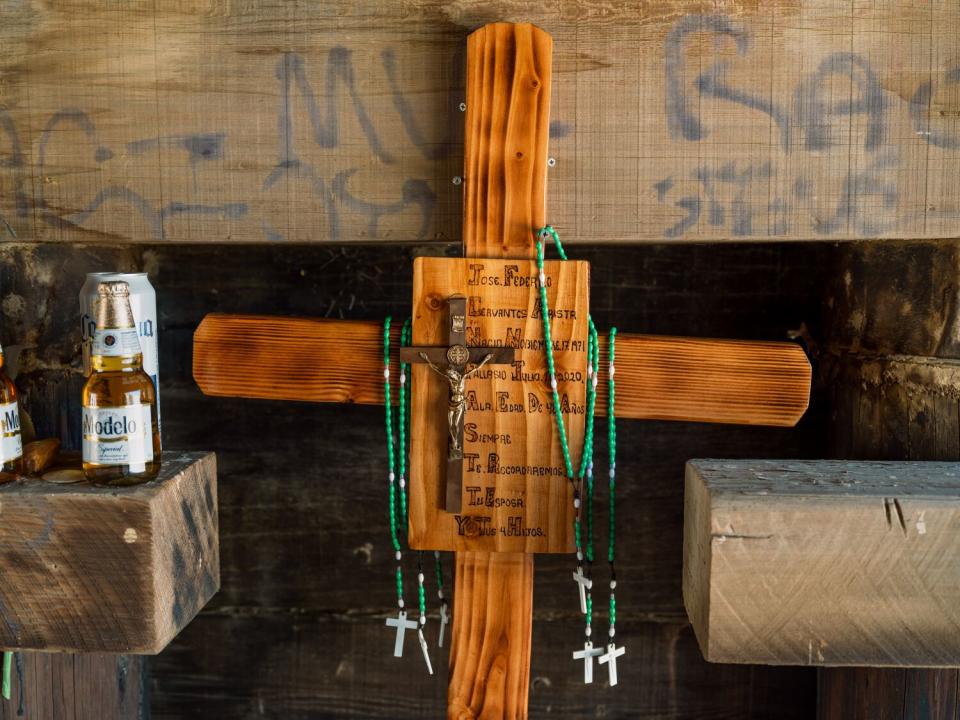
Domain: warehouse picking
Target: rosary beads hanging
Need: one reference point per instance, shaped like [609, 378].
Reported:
[585, 475]
[399, 488]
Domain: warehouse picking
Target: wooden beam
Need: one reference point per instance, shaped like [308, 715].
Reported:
[492, 625]
[105, 569]
[790, 562]
[270, 122]
[660, 378]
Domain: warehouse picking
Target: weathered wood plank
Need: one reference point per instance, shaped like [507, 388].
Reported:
[103, 569]
[354, 677]
[823, 562]
[269, 122]
[661, 378]
[76, 687]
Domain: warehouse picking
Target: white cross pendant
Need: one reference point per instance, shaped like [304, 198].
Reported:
[426, 652]
[610, 657]
[584, 583]
[587, 655]
[402, 625]
[444, 619]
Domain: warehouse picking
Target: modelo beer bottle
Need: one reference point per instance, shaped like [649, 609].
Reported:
[11, 446]
[121, 438]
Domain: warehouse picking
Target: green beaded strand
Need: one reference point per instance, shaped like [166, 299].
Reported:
[612, 442]
[391, 460]
[403, 426]
[7, 662]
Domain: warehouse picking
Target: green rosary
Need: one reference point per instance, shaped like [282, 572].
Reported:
[397, 503]
[584, 478]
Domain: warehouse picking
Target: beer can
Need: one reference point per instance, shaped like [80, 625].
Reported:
[143, 302]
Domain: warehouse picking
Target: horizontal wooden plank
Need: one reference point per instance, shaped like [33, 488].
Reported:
[106, 569]
[823, 562]
[354, 674]
[340, 122]
[256, 356]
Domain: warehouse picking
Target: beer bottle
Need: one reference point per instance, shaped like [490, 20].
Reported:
[11, 446]
[121, 439]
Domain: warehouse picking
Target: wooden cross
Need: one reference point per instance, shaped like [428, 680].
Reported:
[610, 659]
[451, 362]
[507, 128]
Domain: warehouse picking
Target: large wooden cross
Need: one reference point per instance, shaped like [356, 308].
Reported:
[668, 378]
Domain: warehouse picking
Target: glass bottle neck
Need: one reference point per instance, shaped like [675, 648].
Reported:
[116, 363]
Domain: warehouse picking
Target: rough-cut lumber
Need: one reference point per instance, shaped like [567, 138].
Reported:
[339, 122]
[101, 569]
[490, 654]
[823, 562]
[88, 686]
[660, 378]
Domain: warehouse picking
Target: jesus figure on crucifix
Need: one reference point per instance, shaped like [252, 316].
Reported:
[457, 378]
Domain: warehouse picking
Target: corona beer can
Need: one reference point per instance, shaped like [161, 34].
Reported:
[143, 302]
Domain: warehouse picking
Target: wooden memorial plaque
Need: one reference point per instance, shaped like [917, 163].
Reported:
[516, 496]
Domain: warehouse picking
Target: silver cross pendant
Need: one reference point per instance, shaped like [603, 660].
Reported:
[444, 619]
[587, 655]
[423, 647]
[610, 657]
[402, 625]
[584, 583]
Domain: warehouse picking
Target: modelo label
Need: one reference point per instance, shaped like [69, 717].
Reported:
[115, 342]
[11, 447]
[118, 436]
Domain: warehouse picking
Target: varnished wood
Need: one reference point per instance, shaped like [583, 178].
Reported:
[823, 562]
[508, 420]
[492, 624]
[505, 142]
[104, 569]
[660, 377]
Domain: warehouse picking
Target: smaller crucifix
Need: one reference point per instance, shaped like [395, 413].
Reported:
[451, 363]
[444, 619]
[401, 623]
[588, 653]
[584, 584]
[610, 656]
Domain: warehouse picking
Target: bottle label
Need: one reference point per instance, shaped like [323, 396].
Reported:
[11, 447]
[118, 436]
[115, 342]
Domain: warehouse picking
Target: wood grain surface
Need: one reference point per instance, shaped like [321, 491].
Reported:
[101, 569]
[509, 76]
[88, 686]
[517, 496]
[823, 562]
[492, 624]
[272, 122]
[891, 361]
[661, 378]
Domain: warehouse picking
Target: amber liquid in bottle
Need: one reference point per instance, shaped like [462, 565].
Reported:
[11, 446]
[121, 438]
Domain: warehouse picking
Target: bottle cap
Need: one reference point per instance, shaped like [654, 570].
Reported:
[113, 305]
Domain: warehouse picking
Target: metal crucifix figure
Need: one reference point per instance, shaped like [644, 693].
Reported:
[451, 364]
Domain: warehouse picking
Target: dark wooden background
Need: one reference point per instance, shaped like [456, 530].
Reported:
[297, 629]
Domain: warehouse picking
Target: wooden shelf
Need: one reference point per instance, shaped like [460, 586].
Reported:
[823, 562]
[108, 569]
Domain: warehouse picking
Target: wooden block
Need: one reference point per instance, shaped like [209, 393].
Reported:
[108, 570]
[790, 562]
[516, 494]
[661, 377]
[269, 122]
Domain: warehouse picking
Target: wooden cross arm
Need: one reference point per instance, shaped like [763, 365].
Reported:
[658, 377]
